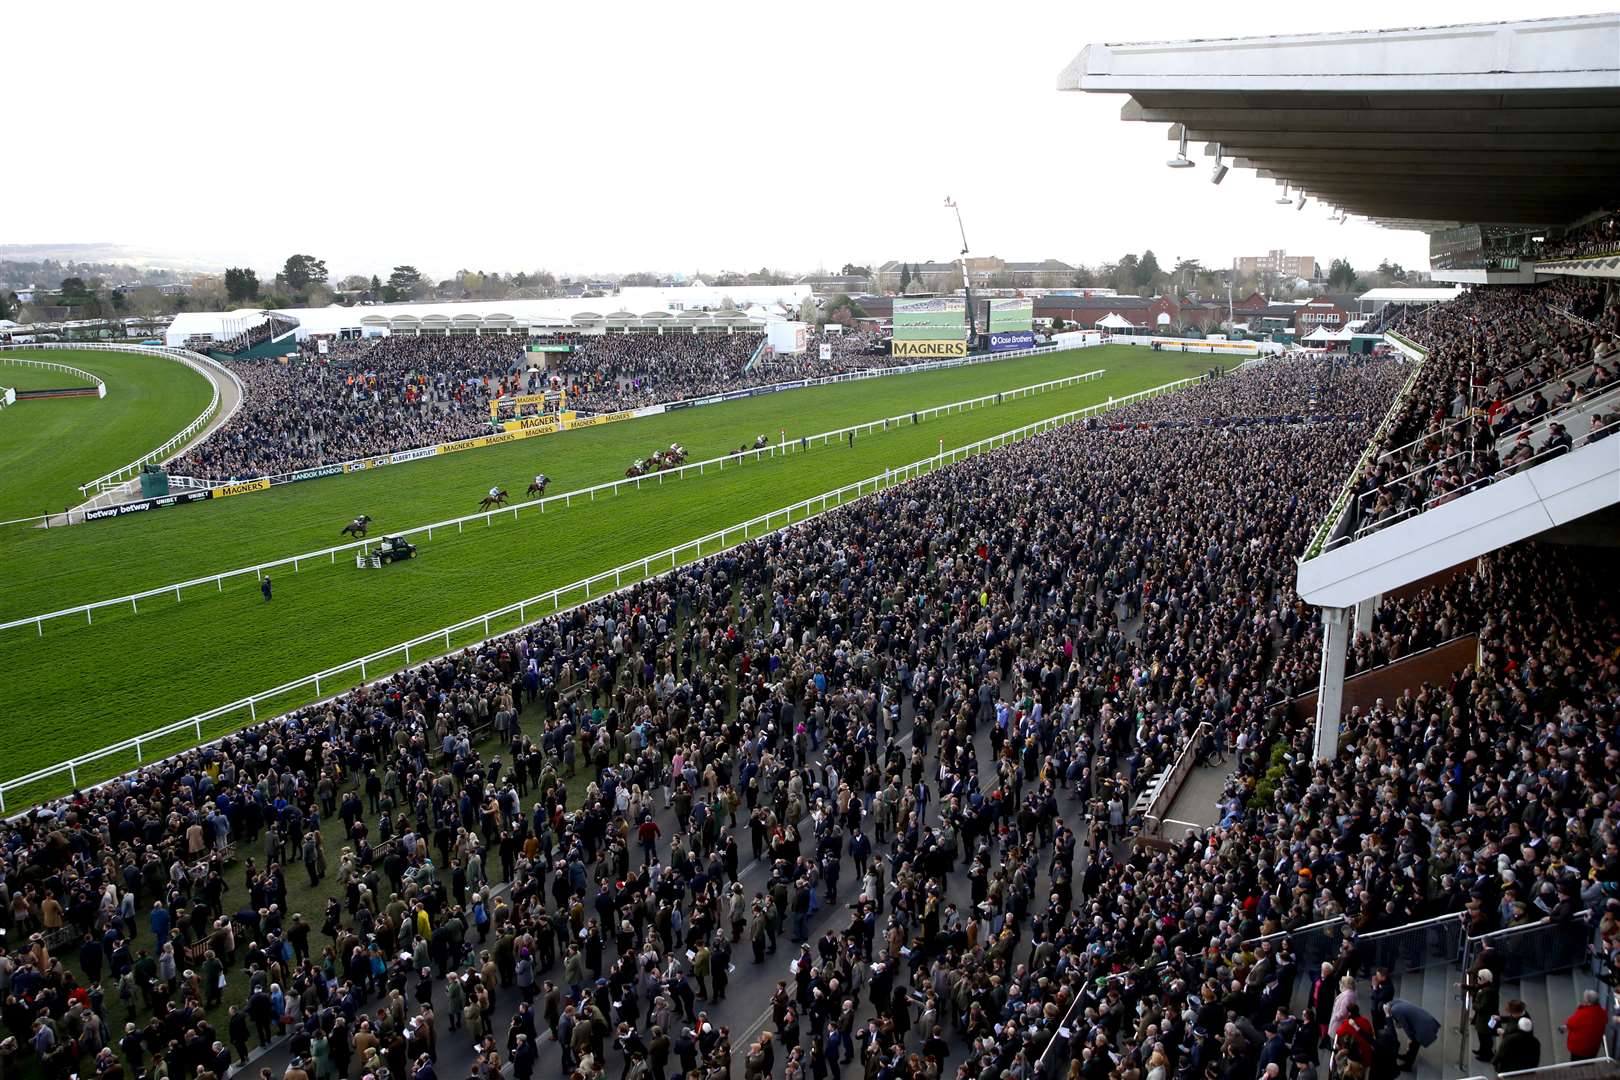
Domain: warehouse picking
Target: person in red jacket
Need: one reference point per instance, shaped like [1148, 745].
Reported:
[1355, 1035]
[1585, 1027]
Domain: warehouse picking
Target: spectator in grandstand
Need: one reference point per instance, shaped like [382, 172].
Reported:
[1506, 366]
[962, 672]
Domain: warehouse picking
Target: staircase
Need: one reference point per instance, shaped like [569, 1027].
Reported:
[1423, 960]
[759, 350]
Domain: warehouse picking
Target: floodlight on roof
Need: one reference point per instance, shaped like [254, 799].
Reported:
[1181, 161]
[1218, 173]
[1284, 200]
[1300, 205]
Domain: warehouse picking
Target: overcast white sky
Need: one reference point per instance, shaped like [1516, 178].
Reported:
[624, 135]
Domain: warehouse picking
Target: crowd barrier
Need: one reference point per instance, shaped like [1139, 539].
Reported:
[611, 487]
[1341, 503]
[205, 367]
[535, 426]
[1190, 345]
[870, 373]
[440, 642]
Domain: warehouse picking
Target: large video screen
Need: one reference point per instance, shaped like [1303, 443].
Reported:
[935, 318]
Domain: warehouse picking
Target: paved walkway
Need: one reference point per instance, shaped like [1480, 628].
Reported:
[1196, 802]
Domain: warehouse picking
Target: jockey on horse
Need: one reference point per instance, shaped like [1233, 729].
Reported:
[357, 527]
[538, 487]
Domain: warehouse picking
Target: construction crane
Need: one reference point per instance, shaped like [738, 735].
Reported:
[967, 281]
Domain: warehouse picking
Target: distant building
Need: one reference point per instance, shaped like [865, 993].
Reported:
[1279, 262]
[1249, 307]
[985, 271]
[1329, 311]
[833, 284]
[1146, 313]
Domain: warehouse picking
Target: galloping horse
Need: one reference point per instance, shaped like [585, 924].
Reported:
[357, 527]
[538, 485]
[491, 501]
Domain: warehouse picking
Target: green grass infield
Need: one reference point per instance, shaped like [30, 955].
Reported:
[49, 446]
[178, 658]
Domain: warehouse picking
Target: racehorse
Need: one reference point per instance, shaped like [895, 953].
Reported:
[490, 501]
[538, 485]
[633, 471]
[357, 527]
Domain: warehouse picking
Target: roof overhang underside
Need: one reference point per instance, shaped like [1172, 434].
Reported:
[1500, 123]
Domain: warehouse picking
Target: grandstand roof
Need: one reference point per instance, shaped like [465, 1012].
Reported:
[1427, 127]
[556, 312]
[214, 325]
[1410, 296]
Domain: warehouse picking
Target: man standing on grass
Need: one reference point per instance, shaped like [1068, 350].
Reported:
[264, 587]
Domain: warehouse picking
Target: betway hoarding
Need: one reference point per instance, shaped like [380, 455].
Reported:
[120, 510]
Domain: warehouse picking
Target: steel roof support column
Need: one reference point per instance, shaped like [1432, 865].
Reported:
[1336, 630]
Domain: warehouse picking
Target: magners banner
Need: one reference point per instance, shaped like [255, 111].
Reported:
[928, 350]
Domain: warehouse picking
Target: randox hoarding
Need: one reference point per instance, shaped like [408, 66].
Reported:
[308, 474]
[928, 350]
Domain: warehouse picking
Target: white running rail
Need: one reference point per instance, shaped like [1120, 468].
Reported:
[205, 367]
[93, 380]
[488, 517]
[440, 642]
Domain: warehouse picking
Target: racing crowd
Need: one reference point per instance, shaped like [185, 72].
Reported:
[1514, 375]
[896, 748]
[382, 395]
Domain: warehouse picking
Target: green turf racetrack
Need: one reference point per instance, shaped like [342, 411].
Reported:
[212, 647]
[49, 446]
